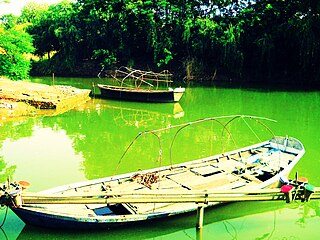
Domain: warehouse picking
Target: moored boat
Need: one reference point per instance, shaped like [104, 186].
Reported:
[142, 86]
[140, 94]
[163, 191]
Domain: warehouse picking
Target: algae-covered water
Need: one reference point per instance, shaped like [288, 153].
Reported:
[87, 142]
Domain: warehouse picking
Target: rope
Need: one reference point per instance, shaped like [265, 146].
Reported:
[5, 217]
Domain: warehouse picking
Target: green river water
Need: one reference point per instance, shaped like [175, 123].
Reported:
[87, 143]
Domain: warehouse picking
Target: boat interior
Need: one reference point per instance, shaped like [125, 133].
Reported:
[246, 168]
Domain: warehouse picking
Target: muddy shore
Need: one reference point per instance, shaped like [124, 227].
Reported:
[23, 98]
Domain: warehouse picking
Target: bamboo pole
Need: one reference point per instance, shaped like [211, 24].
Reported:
[200, 215]
[199, 234]
[154, 196]
[145, 199]
[162, 192]
[150, 198]
[202, 199]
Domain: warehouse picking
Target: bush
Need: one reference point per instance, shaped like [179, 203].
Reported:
[14, 46]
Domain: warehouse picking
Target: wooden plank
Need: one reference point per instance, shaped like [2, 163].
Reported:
[211, 184]
[230, 165]
[250, 177]
[199, 182]
[205, 162]
[263, 150]
[184, 178]
[246, 154]
[223, 158]
[235, 156]
[205, 170]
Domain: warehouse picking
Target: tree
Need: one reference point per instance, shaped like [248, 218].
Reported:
[56, 29]
[14, 44]
[8, 21]
[32, 12]
[261, 39]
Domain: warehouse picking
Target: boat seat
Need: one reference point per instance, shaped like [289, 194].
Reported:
[230, 165]
[206, 170]
[185, 178]
[203, 182]
[214, 182]
[210, 185]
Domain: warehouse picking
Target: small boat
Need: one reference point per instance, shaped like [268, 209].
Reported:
[159, 192]
[144, 87]
[140, 94]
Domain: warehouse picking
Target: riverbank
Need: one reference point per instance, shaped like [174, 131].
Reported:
[22, 98]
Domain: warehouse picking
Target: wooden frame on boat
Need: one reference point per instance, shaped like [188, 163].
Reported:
[144, 87]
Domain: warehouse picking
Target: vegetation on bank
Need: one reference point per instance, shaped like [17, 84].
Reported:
[266, 40]
[15, 44]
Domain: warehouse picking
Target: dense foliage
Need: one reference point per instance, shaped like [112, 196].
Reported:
[15, 43]
[267, 40]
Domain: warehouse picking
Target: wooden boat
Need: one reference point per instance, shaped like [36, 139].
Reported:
[141, 95]
[160, 192]
[145, 87]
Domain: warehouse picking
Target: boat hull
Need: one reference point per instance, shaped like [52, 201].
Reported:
[54, 221]
[219, 172]
[141, 95]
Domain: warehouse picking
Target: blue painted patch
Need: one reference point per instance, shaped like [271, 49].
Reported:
[103, 211]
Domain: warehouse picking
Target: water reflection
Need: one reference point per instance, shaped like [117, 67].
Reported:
[12, 225]
[87, 142]
[84, 143]
[5, 170]
[108, 130]
[39, 156]
[138, 115]
[267, 220]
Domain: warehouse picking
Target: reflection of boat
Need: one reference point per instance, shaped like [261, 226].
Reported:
[104, 202]
[136, 91]
[137, 114]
